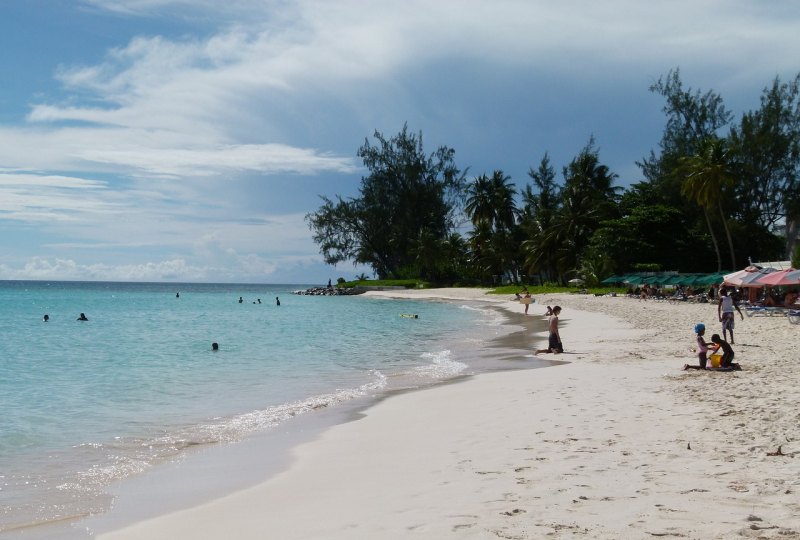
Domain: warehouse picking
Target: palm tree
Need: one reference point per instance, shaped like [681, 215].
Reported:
[493, 212]
[538, 211]
[707, 174]
[479, 205]
[454, 254]
[588, 197]
[427, 249]
[505, 209]
[480, 250]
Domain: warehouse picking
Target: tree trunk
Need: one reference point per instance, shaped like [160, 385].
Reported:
[713, 240]
[728, 235]
[791, 236]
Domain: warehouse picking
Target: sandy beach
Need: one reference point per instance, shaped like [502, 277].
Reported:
[619, 442]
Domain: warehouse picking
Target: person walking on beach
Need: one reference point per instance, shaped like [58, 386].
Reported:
[702, 347]
[527, 300]
[725, 313]
[554, 340]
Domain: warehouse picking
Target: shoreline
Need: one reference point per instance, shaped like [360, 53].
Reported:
[139, 497]
[619, 442]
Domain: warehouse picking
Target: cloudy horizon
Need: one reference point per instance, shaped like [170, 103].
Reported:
[177, 140]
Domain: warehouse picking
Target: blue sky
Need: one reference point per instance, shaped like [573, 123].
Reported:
[185, 140]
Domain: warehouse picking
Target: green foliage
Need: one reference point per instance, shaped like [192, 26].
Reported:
[407, 283]
[699, 185]
[587, 199]
[407, 203]
[552, 288]
[707, 175]
[756, 242]
[691, 118]
[796, 258]
[767, 144]
[654, 233]
[491, 207]
[647, 267]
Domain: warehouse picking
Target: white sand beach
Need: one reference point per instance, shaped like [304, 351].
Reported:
[617, 443]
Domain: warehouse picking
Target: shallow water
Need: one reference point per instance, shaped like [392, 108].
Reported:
[85, 404]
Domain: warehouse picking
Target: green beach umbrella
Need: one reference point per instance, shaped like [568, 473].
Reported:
[710, 279]
[684, 279]
[673, 279]
[634, 279]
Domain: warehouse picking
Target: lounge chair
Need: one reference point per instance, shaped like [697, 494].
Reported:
[765, 310]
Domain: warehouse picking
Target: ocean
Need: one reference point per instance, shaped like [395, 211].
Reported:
[89, 403]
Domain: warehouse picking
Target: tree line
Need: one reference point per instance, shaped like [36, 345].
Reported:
[714, 194]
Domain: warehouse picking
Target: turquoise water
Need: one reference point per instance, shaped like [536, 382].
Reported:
[86, 403]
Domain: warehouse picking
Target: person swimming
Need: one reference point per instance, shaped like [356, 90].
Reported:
[46, 317]
[215, 346]
[83, 317]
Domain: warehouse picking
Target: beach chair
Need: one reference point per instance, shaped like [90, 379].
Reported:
[765, 310]
[777, 310]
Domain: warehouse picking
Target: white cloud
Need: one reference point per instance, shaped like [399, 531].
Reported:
[211, 161]
[67, 269]
[54, 199]
[158, 142]
[232, 100]
[159, 153]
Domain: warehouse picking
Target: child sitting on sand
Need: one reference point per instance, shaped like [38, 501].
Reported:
[727, 354]
[702, 347]
[554, 341]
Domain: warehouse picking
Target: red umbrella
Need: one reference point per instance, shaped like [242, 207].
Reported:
[782, 277]
[749, 277]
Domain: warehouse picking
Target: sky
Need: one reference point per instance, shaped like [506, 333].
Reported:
[186, 140]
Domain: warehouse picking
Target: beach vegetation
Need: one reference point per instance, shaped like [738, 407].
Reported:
[587, 199]
[407, 203]
[491, 207]
[407, 283]
[766, 143]
[554, 288]
[709, 175]
[716, 193]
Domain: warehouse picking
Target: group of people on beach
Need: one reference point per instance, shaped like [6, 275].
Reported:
[718, 344]
[726, 313]
[788, 300]
[727, 307]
